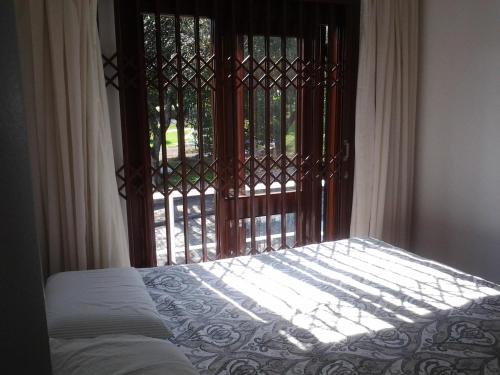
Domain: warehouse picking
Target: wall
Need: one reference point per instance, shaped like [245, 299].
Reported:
[23, 330]
[457, 191]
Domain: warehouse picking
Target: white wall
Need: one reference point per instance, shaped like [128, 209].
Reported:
[457, 188]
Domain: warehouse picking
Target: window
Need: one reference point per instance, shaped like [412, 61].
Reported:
[237, 120]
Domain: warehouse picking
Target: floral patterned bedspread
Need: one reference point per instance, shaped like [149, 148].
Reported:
[357, 306]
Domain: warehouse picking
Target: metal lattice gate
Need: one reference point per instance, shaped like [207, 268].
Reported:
[237, 121]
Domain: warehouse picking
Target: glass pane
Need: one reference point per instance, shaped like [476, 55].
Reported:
[291, 121]
[187, 41]
[177, 225]
[208, 134]
[275, 122]
[205, 36]
[291, 100]
[171, 133]
[259, 50]
[195, 228]
[195, 84]
[290, 230]
[260, 232]
[259, 103]
[246, 122]
[291, 49]
[192, 76]
[276, 231]
[190, 123]
[167, 39]
[160, 228]
[149, 25]
[210, 223]
[246, 225]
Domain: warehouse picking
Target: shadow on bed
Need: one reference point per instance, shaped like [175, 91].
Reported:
[342, 307]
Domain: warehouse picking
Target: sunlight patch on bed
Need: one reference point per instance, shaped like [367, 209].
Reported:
[396, 290]
[437, 290]
[294, 341]
[324, 315]
[428, 272]
[228, 299]
[387, 291]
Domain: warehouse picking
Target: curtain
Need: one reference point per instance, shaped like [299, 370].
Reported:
[385, 120]
[78, 210]
[107, 36]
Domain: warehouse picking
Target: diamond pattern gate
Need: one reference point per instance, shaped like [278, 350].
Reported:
[239, 138]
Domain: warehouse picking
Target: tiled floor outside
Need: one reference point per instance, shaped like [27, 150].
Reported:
[194, 226]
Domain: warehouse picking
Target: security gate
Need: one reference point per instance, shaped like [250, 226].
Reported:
[238, 124]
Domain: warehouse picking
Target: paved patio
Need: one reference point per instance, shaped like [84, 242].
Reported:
[194, 228]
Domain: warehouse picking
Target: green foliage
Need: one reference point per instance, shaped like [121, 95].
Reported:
[170, 94]
[172, 139]
[199, 117]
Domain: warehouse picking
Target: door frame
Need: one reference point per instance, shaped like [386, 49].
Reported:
[133, 107]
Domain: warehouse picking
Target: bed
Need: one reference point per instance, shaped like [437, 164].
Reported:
[357, 306]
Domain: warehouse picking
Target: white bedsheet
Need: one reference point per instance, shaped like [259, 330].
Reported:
[118, 355]
[356, 306]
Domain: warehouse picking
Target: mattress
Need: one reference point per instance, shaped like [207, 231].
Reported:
[357, 306]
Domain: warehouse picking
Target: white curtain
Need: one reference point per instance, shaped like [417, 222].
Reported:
[385, 120]
[107, 36]
[78, 210]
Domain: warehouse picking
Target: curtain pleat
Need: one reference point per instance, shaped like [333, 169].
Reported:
[385, 120]
[79, 217]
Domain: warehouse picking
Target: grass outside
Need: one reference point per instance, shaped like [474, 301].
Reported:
[290, 142]
[172, 138]
[193, 177]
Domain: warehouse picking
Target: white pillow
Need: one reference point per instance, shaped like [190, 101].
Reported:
[109, 301]
[118, 355]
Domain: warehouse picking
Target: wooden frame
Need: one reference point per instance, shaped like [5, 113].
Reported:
[324, 72]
